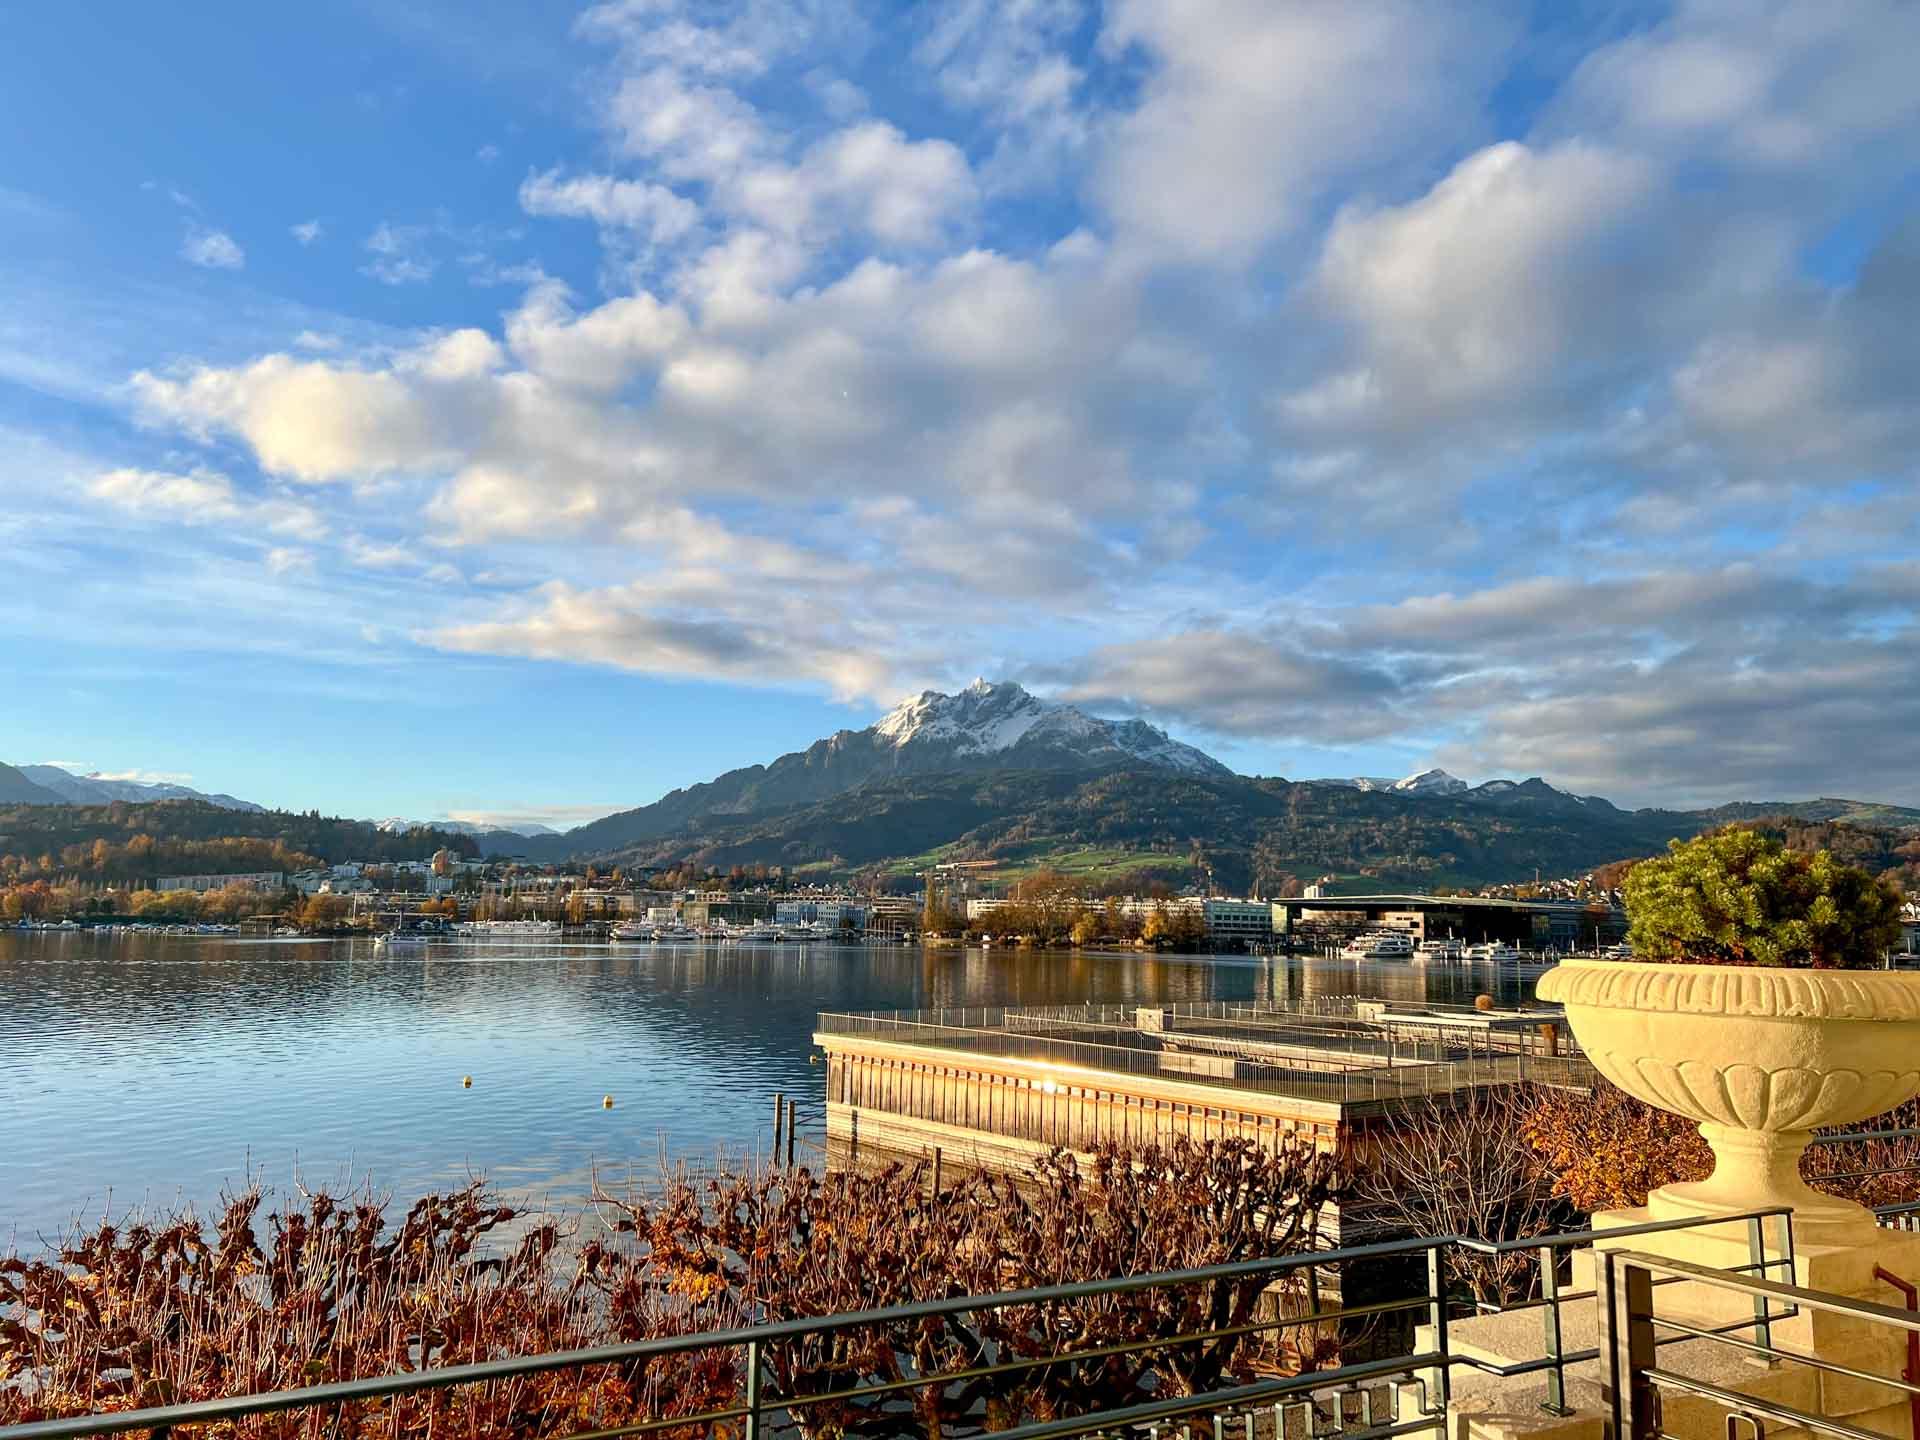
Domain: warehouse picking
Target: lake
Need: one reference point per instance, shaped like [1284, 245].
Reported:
[154, 1069]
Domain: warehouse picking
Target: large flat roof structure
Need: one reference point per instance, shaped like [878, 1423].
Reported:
[999, 1084]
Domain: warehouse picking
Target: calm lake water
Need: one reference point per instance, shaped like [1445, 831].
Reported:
[155, 1069]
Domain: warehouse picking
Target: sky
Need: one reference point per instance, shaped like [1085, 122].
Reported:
[502, 411]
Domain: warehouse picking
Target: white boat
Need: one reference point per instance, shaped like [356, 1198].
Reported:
[759, 933]
[1439, 952]
[1493, 952]
[631, 930]
[1380, 946]
[675, 934]
[388, 938]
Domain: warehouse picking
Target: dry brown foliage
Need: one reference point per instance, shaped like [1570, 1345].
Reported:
[1606, 1151]
[123, 1317]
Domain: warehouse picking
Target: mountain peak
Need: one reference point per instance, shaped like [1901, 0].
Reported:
[1430, 782]
[990, 718]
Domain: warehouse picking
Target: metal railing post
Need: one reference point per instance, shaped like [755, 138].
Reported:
[1643, 1399]
[753, 1390]
[1437, 1301]
[1557, 1373]
[1762, 1308]
[1610, 1336]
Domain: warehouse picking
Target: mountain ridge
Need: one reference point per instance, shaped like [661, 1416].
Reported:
[95, 789]
[984, 727]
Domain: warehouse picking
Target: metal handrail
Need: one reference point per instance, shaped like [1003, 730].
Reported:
[753, 1338]
[1763, 1289]
[1637, 1408]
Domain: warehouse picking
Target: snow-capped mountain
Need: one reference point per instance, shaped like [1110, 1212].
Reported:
[984, 727]
[399, 825]
[1427, 782]
[97, 789]
[987, 719]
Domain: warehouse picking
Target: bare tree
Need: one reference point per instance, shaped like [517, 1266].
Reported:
[1462, 1166]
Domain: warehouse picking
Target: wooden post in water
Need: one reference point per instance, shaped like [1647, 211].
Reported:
[793, 1123]
[779, 1116]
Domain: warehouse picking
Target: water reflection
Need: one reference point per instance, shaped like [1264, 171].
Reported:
[160, 1067]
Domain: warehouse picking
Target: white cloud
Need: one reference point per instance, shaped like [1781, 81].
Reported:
[307, 231]
[400, 255]
[288, 560]
[1010, 60]
[212, 250]
[600, 350]
[1254, 109]
[1772, 86]
[653, 212]
[1286, 412]
[487, 154]
[305, 419]
[1469, 296]
[868, 177]
[203, 497]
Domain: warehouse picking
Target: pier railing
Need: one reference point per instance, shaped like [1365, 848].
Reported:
[1038, 1333]
[1284, 1058]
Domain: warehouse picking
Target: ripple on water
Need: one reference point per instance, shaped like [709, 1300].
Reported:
[165, 1067]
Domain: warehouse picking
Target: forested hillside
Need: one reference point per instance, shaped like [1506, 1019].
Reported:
[1248, 833]
[128, 843]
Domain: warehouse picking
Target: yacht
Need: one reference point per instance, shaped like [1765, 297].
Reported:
[1494, 952]
[760, 932]
[631, 930]
[675, 934]
[1438, 952]
[1380, 946]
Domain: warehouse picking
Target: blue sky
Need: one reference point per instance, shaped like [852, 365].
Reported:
[504, 410]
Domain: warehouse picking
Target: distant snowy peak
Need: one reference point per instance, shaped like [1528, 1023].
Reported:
[399, 825]
[1427, 782]
[1430, 782]
[97, 789]
[990, 719]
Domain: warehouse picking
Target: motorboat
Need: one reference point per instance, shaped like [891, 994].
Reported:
[1494, 952]
[760, 932]
[1384, 945]
[631, 930]
[675, 934]
[1440, 952]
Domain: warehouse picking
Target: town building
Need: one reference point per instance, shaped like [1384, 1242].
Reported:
[265, 881]
[828, 912]
[1528, 924]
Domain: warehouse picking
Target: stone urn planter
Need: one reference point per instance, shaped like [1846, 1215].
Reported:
[1760, 1057]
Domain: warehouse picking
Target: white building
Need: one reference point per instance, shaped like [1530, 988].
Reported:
[261, 880]
[831, 913]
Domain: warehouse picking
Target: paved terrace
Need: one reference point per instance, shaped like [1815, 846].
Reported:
[1374, 1052]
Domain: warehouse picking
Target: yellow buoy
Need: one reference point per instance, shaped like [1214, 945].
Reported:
[466, 1082]
[606, 1102]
